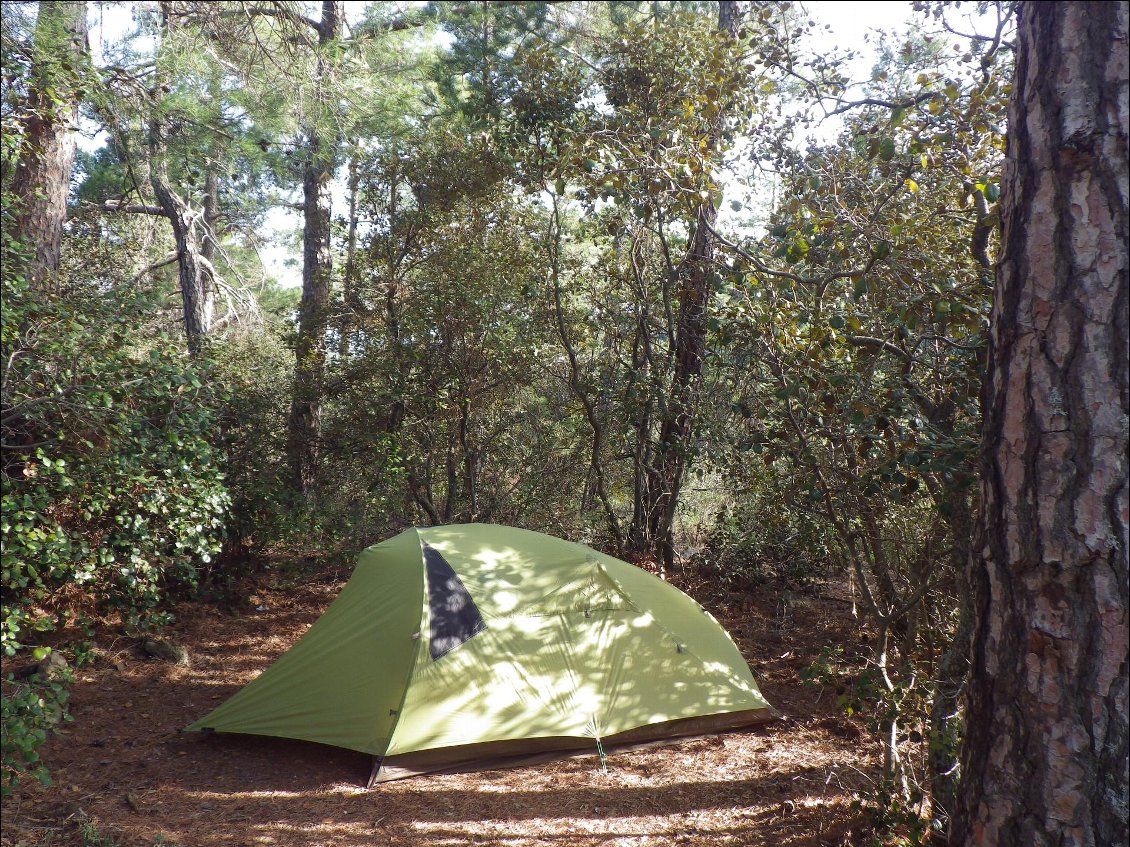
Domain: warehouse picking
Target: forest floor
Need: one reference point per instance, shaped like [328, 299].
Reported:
[124, 775]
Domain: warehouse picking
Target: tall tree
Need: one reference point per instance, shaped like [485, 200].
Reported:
[191, 235]
[43, 174]
[304, 56]
[640, 380]
[695, 286]
[180, 122]
[1045, 749]
[310, 353]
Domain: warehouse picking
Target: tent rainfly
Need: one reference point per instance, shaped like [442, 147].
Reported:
[479, 646]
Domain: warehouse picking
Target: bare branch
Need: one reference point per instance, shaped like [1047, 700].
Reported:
[879, 344]
[130, 208]
[168, 260]
[886, 104]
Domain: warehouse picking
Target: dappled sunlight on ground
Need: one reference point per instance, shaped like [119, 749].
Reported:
[124, 767]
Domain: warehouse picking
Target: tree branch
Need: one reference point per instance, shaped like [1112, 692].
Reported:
[130, 208]
[886, 104]
[879, 344]
[281, 12]
[821, 282]
[168, 260]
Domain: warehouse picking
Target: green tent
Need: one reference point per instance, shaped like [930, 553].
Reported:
[475, 646]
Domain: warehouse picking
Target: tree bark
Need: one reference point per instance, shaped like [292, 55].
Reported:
[195, 272]
[305, 425]
[1045, 750]
[677, 425]
[42, 179]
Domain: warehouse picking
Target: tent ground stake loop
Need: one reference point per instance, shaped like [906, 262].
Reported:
[603, 757]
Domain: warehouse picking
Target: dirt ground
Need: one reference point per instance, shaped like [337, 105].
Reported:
[123, 770]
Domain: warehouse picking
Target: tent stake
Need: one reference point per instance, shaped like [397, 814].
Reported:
[373, 774]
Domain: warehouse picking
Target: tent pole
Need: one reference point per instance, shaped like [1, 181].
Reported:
[373, 774]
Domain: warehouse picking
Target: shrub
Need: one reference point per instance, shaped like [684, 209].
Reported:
[111, 490]
[111, 484]
[29, 710]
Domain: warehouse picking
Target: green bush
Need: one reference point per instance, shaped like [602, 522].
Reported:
[111, 491]
[28, 712]
[756, 541]
[256, 371]
[111, 482]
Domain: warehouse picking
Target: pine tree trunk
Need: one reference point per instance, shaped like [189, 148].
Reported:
[305, 425]
[42, 179]
[194, 269]
[193, 274]
[1045, 750]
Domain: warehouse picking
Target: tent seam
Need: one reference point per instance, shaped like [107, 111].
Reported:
[415, 649]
